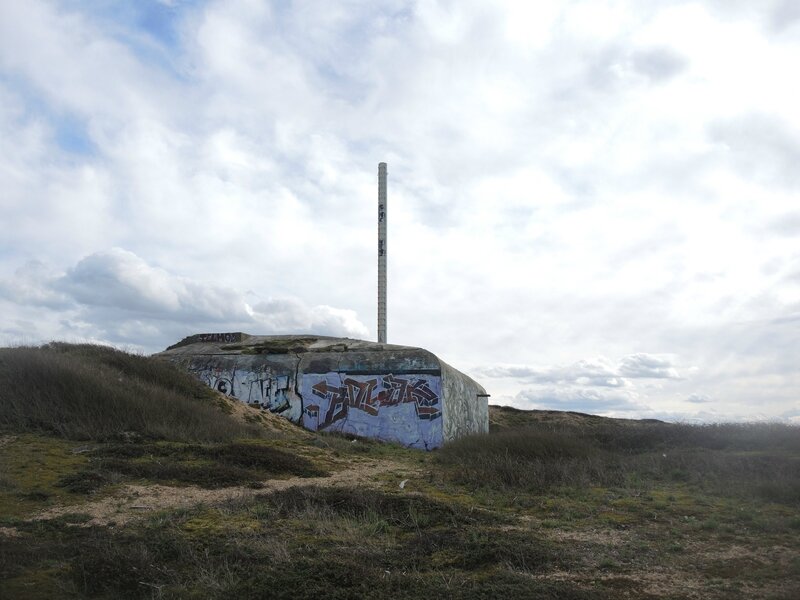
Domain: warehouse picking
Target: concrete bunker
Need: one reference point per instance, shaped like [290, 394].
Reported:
[383, 391]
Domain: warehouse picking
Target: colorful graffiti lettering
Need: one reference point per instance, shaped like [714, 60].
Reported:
[404, 408]
[368, 397]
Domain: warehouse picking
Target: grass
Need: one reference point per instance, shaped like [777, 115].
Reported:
[89, 392]
[757, 460]
[550, 505]
[208, 465]
[38, 472]
[30, 468]
[299, 543]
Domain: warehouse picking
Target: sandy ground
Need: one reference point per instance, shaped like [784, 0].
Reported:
[135, 501]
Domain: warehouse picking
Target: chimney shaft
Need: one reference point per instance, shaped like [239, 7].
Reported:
[382, 250]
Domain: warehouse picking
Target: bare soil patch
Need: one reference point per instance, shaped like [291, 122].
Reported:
[134, 501]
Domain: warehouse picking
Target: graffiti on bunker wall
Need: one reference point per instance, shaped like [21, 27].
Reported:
[263, 387]
[368, 397]
[403, 408]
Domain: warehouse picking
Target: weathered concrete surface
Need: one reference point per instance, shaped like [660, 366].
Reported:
[467, 408]
[383, 391]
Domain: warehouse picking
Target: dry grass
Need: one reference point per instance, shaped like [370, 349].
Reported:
[743, 459]
[95, 392]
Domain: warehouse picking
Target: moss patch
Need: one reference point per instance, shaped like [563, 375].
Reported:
[31, 467]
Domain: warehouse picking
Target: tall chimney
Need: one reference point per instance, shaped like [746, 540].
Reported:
[382, 206]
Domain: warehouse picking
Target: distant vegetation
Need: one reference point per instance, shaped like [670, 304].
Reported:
[757, 459]
[84, 391]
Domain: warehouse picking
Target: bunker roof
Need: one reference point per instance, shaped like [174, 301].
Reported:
[245, 343]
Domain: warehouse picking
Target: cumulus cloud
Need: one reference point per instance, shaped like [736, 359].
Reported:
[122, 298]
[567, 179]
[121, 280]
[34, 283]
[293, 315]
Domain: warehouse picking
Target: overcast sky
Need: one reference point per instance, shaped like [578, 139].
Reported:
[593, 205]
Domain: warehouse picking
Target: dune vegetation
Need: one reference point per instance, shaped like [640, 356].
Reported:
[85, 391]
[121, 477]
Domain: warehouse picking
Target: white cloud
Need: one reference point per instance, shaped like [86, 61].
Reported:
[648, 366]
[567, 180]
[610, 403]
[698, 398]
[118, 297]
[33, 284]
[595, 372]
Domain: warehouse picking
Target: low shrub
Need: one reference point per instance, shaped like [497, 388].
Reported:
[96, 392]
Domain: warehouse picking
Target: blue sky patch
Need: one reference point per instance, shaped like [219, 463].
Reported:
[72, 136]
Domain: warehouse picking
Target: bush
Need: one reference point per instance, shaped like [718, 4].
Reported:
[87, 391]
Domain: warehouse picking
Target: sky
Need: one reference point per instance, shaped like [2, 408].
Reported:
[592, 205]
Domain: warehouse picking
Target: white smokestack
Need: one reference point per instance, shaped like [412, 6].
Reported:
[382, 206]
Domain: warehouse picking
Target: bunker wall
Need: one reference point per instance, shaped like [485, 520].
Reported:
[466, 409]
[392, 396]
[270, 381]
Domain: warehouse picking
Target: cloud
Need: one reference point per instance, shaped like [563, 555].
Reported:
[580, 400]
[121, 280]
[293, 315]
[596, 386]
[699, 399]
[595, 372]
[585, 372]
[647, 366]
[125, 300]
[785, 15]
[566, 180]
[34, 283]
[764, 147]
[658, 64]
